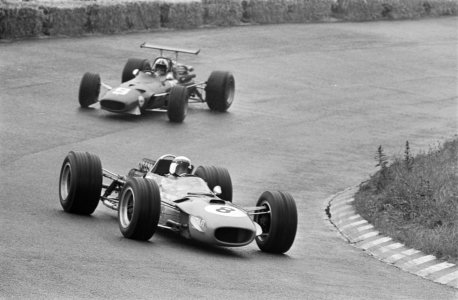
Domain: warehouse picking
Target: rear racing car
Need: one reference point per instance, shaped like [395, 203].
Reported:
[164, 84]
[170, 193]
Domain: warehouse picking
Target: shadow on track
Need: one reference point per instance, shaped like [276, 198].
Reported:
[171, 238]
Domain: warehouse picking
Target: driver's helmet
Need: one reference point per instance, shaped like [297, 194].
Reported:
[180, 165]
[161, 66]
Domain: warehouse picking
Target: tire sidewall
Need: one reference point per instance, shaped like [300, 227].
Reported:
[130, 228]
[146, 208]
[85, 184]
[177, 104]
[89, 89]
[220, 90]
[67, 203]
[283, 222]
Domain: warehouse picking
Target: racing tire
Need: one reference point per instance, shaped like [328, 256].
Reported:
[178, 104]
[279, 225]
[131, 65]
[139, 208]
[80, 183]
[220, 91]
[89, 89]
[216, 176]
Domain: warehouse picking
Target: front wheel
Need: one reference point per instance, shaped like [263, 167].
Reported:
[132, 64]
[220, 90]
[216, 176]
[178, 104]
[89, 89]
[80, 183]
[139, 208]
[278, 222]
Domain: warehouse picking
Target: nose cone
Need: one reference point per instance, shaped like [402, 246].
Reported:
[223, 225]
[120, 100]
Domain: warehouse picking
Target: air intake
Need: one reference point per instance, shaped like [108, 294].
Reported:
[113, 105]
[233, 235]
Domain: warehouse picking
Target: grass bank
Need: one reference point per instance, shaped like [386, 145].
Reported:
[414, 199]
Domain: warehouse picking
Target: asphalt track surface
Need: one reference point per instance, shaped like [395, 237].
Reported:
[313, 103]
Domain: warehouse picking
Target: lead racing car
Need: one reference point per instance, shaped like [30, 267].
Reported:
[170, 193]
[164, 84]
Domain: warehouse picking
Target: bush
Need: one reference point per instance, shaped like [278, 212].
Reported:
[415, 199]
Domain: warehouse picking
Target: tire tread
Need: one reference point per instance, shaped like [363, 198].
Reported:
[283, 222]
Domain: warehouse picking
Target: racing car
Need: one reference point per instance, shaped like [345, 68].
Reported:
[171, 193]
[164, 84]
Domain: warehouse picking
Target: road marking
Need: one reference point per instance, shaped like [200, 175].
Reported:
[344, 201]
[367, 235]
[341, 209]
[362, 228]
[434, 268]
[375, 243]
[447, 278]
[352, 217]
[353, 224]
[390, 247]
[395, 257]
[338, 205]
[341, 215]
[418, 261]
[410, 252]
[343, 196]
[343, 212]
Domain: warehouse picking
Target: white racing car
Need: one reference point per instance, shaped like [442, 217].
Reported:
[171, 193]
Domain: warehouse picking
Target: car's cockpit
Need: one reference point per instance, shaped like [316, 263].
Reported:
[162, 165]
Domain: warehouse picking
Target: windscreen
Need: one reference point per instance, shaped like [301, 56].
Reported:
[179, 187]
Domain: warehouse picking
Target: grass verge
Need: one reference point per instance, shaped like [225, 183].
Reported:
[414, 199]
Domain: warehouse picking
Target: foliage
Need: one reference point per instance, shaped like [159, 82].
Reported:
[415, 199]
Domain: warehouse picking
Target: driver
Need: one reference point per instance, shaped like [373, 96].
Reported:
[180, 166]
[161, 67]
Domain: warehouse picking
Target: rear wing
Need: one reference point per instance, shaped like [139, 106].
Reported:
[170, 49]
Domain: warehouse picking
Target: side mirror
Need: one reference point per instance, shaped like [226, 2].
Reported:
[135, 72]
[217, 190]
[190, 68]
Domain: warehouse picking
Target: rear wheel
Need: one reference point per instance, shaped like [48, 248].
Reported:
[216, 176]
[139, 208]
[131, 65]
[278, 223]
[89, 89]
[80, 183]
[178, 104]
[220, 90]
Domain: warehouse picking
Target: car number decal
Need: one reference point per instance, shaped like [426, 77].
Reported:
[225, 210]
[121, 91]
